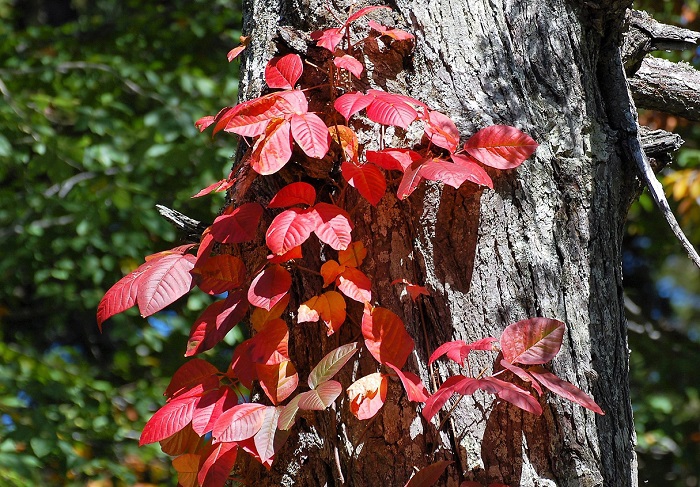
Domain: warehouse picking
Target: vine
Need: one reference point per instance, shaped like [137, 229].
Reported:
[208, 416]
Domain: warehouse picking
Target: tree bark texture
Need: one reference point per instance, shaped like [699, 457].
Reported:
[545, 242]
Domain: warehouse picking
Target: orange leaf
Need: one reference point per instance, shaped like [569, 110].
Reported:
[353, 255]
[186, 466]
[220, 273]
[330, 271]
[367, 395]
[278, 381]
[386, 337]
[260, 316]
[270, 344]
[329, 307]
[348, 141]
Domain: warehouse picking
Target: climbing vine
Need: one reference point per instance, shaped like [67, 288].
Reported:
[209, 415]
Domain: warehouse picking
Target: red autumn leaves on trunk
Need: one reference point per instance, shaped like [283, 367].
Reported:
[208, 416]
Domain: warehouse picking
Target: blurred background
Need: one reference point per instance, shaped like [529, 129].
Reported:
[98, 100]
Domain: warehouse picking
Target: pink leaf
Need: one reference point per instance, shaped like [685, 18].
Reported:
[349, 63]
[238, 225]
[251, 118]
[167, 280]
[294, 194]
[385, 336]
[500, 146]
[442, 131]
[522, 374]
[269, 287]
[367, 180]
[565, 389]
[390, 109]
[351, 103]
[477, 174]
[410, 180]
[442, 395]
[321, 397]
[458, 350]
[290, 229]
[532, 341]
[265, 438]
[362, 12]
[216, 187]
[215, 322]
[238, 423]
[284, 72]
[328, 38]
[367, 395]
[447, 172]
[311, 133]
[333, 225]
[505, 390]
[355, 285]
[168, 420]
[121, 296]
[415, 390]
[273, 150]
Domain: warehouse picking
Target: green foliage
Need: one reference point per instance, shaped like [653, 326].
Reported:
[96, 127]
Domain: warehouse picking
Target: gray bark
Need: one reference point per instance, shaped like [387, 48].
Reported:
[545, 242]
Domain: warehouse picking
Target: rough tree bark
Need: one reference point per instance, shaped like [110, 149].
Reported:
[545, 242]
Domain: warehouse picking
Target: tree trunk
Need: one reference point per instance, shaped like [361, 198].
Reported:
[545, 242]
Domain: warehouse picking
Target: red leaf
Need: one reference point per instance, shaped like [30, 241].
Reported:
[390, 109]
[166, 280]
[565, 389]
[367, 395]
[331, 364]
[511, 393]
[410, 180]
[242, 367]
[220, 273]
[393, 159]
[349, 63]
[193, 372]
[204, 122]
[367, 180]
[238, 423]
[294, 253]
[121, 296]
[351, 103]
[522, 374]
[500, 146]
[441, 396]
[362, 12]
[458, 350]
[216, 187]
[355, 285]
[233, 53]
[429, 476]
[321, 397]
[333, 225]
[294, 194]
[215, 322]
[385, 336]
[239, 225]
[414, 290]
[251, 118]
[396, 34]
[209, 408]
[328, 38]
[532, 341]
[270, 286]
[311, 133]
[217, 465]
[477, 174]
[168, 420]
[442, 131]
[273, 150]
[415, 390]
[278, 381]
[270, 345]
[284, 72]
[290, 229]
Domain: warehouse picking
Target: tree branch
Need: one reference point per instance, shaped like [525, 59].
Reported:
[646, 35]
[667, 87]
[658, 146]
[193, 228]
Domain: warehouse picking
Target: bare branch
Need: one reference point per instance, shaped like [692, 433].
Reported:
[668, 87]
[658, 146]
[646, 35]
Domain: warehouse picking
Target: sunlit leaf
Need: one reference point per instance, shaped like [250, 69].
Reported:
[165, 281]
[269, 287]
[294, 194]
[311, 133]
[458, 350]
[321, 397]
[168, 420]
[500, 146]
[329, 307]
[284, 71]
[239, 423]
[385, 336]
[532, 341]
[331, 364]
[355, 285]
[290, 229]
[367, 179]
[367, 395]
[333, 225]
[278, 381]
[563, 388]
[441, 131]
[237, 225]
[192, 372]
[396, 34]
[273, 149]
[349, 63]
